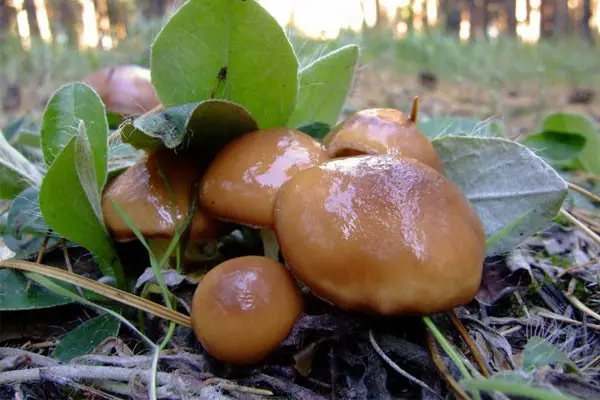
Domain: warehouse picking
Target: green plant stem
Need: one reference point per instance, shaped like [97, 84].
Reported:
[506, 387]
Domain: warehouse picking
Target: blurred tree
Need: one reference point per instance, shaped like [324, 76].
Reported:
[586, 19]
[8, 18]
[34, 29]
[452, 9]
[511, 18]
[547, 9]
[561, 17]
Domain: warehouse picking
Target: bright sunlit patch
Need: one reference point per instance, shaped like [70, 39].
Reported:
[41, 16]
[90, 27]
[465, 27]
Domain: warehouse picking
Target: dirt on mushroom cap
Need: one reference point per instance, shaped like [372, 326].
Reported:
[381, 131]
[381, 234]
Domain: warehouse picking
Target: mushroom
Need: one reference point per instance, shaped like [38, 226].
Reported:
[240, 183]
[125, 89]
[156, 194]
[382, 131]
[380, 234]
[244, 308]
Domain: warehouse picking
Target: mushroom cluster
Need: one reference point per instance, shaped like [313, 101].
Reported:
[366, 221]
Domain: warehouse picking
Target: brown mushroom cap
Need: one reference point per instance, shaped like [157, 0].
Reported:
[241, 182]
[381, 234]
[142, 193]
[381, 131]
[124, 89]
[244, 308]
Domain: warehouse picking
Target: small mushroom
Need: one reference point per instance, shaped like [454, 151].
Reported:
[240, 183]
[125, 89]
[244, 308]
[382, 131]
[156, 194]
[380, 234]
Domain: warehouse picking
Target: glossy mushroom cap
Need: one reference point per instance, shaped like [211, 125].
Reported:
[124, 89]
[381, 131]
[381, 234]
[244, 308]
[144, 196]
[241, 182]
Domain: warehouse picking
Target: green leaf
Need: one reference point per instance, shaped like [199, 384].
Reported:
[324, 86]
[120, 157]
[83, 339]
[206, 126]
[539, 353]
[70, 204]
[459, 126]
[579, 124]
[557, 147]
[205, 40]
[14, 297]
[505, 182]
[70, 104]
[317, 130]
[16, 172]
[26, 227]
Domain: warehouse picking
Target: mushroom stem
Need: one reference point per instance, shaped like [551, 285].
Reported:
[270, 243]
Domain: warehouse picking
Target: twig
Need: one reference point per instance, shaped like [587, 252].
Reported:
[80, 372]
[581, 226]
[35, 358]
[100, 288]
[558, 317]
[441, 366]
[67, 258]
[469, 341]
[397, 368]
[236, 388]
[583, 191]
[582, 307]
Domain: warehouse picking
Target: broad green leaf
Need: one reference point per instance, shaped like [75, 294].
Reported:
[83, 339]
[13, 296]
[70, 204]
[238, 40]
[557, 147]
[16, 172]
[317, 130]
[539, 353]
[70, 104]
[505, 182]
[324, 86]
[581, 125]
[460, 126]
[26, 228]
[206, 126]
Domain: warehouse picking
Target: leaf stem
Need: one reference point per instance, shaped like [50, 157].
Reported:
[580, 225]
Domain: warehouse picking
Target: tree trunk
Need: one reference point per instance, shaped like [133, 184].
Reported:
[34, 29]
[8, 18]
[561, 17]
[511, 18]
[452, 14]
[586, 29]
[548, 11]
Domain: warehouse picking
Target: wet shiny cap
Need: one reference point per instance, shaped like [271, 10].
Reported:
[381, 234]
[381, 131]
[145, 197]
[241, 182]
[244, 308]
[124, 89]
